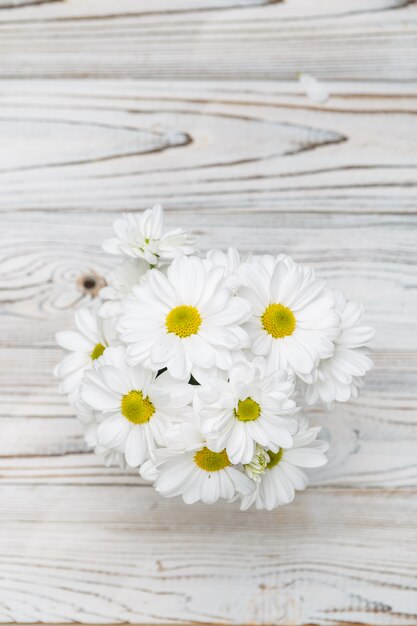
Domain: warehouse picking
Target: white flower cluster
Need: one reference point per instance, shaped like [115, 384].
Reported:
[194, 369]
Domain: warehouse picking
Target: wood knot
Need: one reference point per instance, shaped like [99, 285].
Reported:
[90, 284]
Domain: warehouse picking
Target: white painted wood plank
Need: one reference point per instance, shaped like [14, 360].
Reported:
[85, 9]
[70, 553]
[73, 9]
[371, 444]
[104, 146]
[371, 258]
[337, 40]
[43, 255]
[251, 162]
[373, 439]
[29, 389]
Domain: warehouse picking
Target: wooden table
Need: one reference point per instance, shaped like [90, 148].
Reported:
[112, 105]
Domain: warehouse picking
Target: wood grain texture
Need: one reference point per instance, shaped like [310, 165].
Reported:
[373, 439]
[112, 105]
[108, 146]
[146, 560]
[335, 39]
[372, 258]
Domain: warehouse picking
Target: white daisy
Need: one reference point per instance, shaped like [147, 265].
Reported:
[193, 471]
[340, 376]
[281, 476]
[89, 421]
[136, 405]
[141, 236]
[257, 466]
[86, 345]
[120, 283]
[294, 321]
[185, 320]
[250, 408]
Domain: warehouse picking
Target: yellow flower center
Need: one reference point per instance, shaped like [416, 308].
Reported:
[278, 320]
[97, 351]
[183, 321]
[247, 410]
[275, 458]
[210, 461]
[136, 408]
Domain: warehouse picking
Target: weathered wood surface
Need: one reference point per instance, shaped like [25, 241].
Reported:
[110, 146]
[120, 554]
[224, 39]
[209, 119]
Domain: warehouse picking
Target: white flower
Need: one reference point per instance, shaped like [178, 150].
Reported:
[136, 406]
[257, 466]
[315, 90]
[282, 475]
[86, 345]
[187, 366]
[193, 471]
[340, 376]
[142, 236]
[89, 420]
[185, 321]
[120, 283]
[84, 414]
[294, 321]
[250, 408]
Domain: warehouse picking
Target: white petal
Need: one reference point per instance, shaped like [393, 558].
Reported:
[135, 451]
[295, 474]
[100, 399]
[71, 363]
[305, 457]
[236, 311]
[165, 348]
[283, 486]
[87, 324]
[210, 488]
[71, 340]
[148, 471]
[112, 246]
[199, 352]
[114, 380]
[163, 289]
[244, 485]
[180, 367]
[113, 431]
[298, 356]
[71, 382]
[315, 90]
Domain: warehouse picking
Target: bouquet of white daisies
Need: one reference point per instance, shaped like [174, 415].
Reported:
[198, 369]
